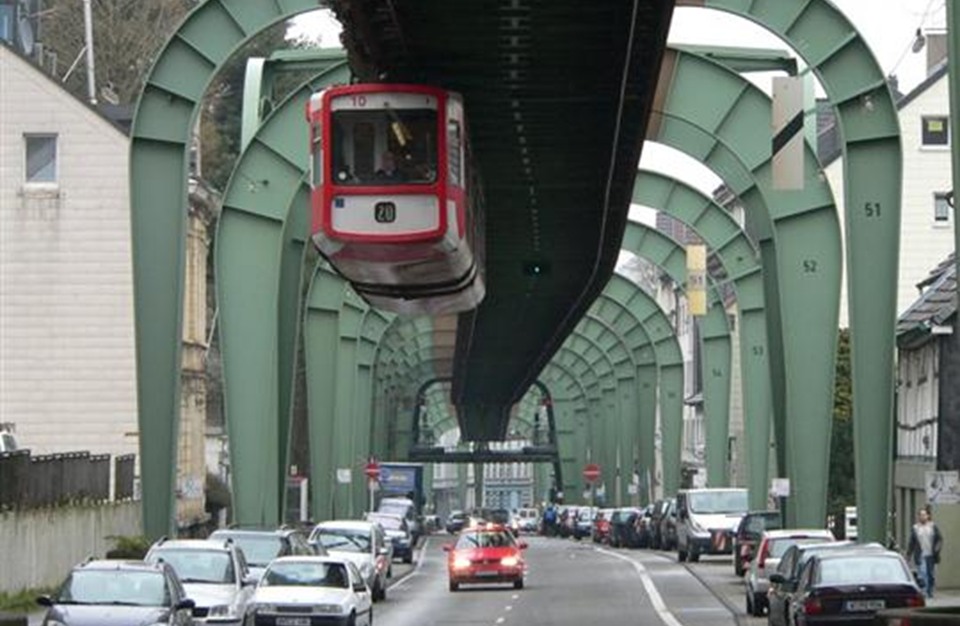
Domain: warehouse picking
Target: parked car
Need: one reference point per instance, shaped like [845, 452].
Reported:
[747, 536]
[773, 543]
[362, 543]
[622, 531]
[528, 520]
[660, 509]
[405, 508]
[600, 531]
[456, 521]
[850, 587]
[109, 593]
[294, 588]
[397, 532]
[583, 525]
[485, 554]
[706, 519]
[643, 527]
[668, 526]
[214, 574]
[783, 581]
[260, 546]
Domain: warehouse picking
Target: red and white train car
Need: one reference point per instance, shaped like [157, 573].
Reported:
[390, 198]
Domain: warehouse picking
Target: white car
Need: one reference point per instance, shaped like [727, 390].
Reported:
[299, 590]
[362, 543]
[772, 545]
[214, 574]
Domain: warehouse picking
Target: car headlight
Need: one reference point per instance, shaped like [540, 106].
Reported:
[510, 561]
[328, 609]
[461, 563]
[223, 611]
[696, 527]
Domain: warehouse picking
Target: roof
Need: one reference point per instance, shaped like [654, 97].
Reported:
[116, 564]
[192, 544]
[115, 118]
[797, 533]
[936, 305]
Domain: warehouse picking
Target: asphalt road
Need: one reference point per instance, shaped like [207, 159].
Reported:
[567, 583]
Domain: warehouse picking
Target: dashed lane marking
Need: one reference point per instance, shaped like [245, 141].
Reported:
[416, 568]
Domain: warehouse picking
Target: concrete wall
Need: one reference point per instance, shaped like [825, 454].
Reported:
[947, 517]
[38, 548]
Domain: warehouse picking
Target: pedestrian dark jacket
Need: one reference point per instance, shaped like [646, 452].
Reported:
[913, 548]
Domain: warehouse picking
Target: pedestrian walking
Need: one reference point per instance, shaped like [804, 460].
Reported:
[924, 550]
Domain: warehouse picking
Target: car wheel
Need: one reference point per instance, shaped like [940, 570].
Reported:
[749, 603]
[518, 584]
[454, 586]
[408, 559]
[681, 555]
[694, 555]
[352, 621]
[737, 566]
[757, 606]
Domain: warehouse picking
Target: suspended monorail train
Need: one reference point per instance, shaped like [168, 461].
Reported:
[391, 198]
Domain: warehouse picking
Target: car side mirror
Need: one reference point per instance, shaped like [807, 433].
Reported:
[447, 547]
[523, 545]
[250, 580]
[186, 603]
[45, 601]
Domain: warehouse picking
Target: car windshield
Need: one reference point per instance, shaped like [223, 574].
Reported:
[259, 550]
[344, 540]
[199, 566]
[858, 570]
[484, 539]
[114, 587]
[389, 522]
[754, 525]
[304, 574]
[718, 502]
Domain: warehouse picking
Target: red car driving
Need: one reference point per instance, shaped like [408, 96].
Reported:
[485, 554]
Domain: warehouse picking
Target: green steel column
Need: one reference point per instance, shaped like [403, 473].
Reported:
[160, 141]
[716, 394]
[320, 351]
[867, 118]
[343, 413]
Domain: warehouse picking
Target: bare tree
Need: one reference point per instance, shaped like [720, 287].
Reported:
[127, 35]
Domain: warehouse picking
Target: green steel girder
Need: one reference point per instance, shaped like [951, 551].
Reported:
[807, 255]
[873, 170]
[656, 327]
[671, 257]
[953, 48]
[259, 258]
[741, 262]
[570, 414]
[160, 141]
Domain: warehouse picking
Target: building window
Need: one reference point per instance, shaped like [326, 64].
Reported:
[941, 207]
[41, 158]
[935, 130]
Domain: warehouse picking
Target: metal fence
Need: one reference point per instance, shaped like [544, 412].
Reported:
[28, 481]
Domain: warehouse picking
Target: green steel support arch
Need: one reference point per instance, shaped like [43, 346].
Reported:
[671, 257]
[807, 255]
[160, 141]
[259, 256]
[873, 173]
[741, 263]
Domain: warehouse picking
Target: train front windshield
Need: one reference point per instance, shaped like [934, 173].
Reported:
[384, 147]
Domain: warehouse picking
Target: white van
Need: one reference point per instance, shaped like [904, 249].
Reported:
[707, 520]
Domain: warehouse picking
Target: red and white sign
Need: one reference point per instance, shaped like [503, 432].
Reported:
[591, 472]
[372, 470]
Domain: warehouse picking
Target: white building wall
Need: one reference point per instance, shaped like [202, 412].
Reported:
[67, 375]
[924, 243]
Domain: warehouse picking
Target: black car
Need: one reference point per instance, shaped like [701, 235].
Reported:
[783, 582]
[397, 531]
[747, 536]
[623, 532]
[260, 546]
[119, 593]
[851, 587]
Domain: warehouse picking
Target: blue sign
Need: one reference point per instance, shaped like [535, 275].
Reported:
[398, 479]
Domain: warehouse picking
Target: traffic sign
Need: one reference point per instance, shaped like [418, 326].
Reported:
[591, 472]
[372, 470]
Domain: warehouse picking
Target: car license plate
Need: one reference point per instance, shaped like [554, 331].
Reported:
[293, 621]
[488, 573]
[866, 605]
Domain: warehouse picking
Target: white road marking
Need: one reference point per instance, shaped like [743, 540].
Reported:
[500, 620]
[516, 596]
[416, 568]
[658, 604]
[508, 608]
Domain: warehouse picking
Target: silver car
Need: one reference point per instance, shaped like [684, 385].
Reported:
[773, 544]
[362, 543]
[214, 575]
